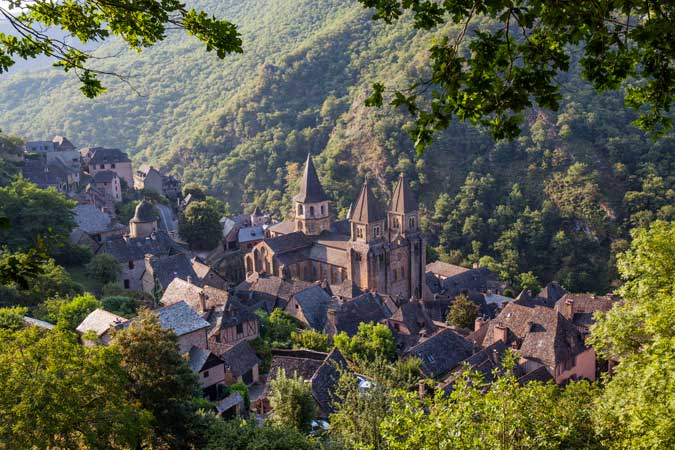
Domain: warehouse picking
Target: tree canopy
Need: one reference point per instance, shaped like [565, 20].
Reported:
[490, 75]
[200, 226]
[138, 24]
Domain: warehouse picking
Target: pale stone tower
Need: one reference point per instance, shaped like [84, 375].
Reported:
[312, 215]
[143, 223]
[368, 255]
[406, 243]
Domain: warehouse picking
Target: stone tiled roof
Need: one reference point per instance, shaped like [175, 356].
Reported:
[145, 212]
[346, 316]
[272, 291]
[35, 171]
[347, 289]
[367, 208]
[251, 234]
[444, 269]
[197, 358]
[99, 321]
[91, 219]
[189, 292]
[485, 362]
[38, 323]
[134, 249]
[230, 401]
[166, 268]
[200, 267]
[285, 227]
[100, 155]
[240, 358]
[311, 190]
[289, 242]
[325, 380]
[229, 314]
[515, 317]
[180, 318]
[105, 176]
[314, 303]
[403, 200]
[62, 143]
[440, 352]
[413, 316]
[540, 374]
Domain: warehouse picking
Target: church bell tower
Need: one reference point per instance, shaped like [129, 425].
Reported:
[312, 215]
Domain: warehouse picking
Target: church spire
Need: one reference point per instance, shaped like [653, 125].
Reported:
[367, 209]
[311, 190]
[403, 200]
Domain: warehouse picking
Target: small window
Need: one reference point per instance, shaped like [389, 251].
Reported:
[240, 328]
[206, 374]
[411, 223]
[102, 166]
[395, 224]
[311, 211]
[112, 166]
[359, 232]
[126, 284]
[397, 327]
[376, 231]
[218, 338]
[322, 210]
[430, 358]
[131, 264]
[300, 210]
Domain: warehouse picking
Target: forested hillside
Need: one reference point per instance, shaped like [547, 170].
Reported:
[558, 202]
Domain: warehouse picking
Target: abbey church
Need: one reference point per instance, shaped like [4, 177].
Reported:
[377, 250]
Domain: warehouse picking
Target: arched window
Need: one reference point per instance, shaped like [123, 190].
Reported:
[299, 225]
[395, 224]
[411, 223]
[323, 210]
[311, 211]
[300, 210]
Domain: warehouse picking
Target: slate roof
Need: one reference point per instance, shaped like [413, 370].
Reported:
[105, 176]
[346, 316]
[168, 267]
[540, 374]
[403, 200]
[181, 290]
[346, 289]
[325, 380]
[441, 352]
[314, 303]
[180, 318]
[311, 190]
[200, 359]
[240, 358]
[485, 362]
[200, 267]
[445, 269]
[413, 316]
[35, 171]
[272, 291]
[251, 234]
[62, 143]
[285, 227]
[145, 212]
[38, 323]
[367, 208]
[289, 242]
[228, 402]
[91, 219]
[134, 249]
[319, 368]
[229, 314]
[100, 155]
[99, 321]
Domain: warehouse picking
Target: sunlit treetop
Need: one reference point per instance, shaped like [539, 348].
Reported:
[139, 23]
[491, 76]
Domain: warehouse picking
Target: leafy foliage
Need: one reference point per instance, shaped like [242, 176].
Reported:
[372, 341]
[68, 313]
[463, 312]
[159, 379]
[200, 226]
[120, 305]
[490, 75]
[244, 435]
[310, 339]
[56, 393]
[138, 26]
[12, 318]
[104, 268]
[292, 402]
[640, 333]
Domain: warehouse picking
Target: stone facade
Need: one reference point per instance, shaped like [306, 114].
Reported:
[378, 250]
[196, 338]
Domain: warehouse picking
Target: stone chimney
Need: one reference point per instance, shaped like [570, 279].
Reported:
[202, 300]
[568, 308]
[189, 279]
[422, 389]
[478, 323]
[501, 332]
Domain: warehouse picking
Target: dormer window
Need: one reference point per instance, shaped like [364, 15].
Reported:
[395, 225]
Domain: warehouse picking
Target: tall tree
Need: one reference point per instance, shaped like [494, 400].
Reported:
[34, 214]
[160, 379]
[292, 402]
[200, 226]
[372, 341]
[138, 24]
[463, 312]
[56, 393]
[638, 403]
[490, 76]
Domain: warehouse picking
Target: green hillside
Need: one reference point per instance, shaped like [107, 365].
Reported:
[557, 202]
